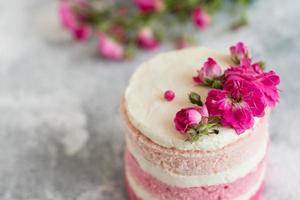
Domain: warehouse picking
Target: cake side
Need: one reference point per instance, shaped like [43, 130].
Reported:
[180, 147]
[242, 188]
[139, 193]
[191, 168]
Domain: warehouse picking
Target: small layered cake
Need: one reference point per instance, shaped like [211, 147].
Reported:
[196, 125]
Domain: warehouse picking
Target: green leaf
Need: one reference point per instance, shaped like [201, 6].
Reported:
[208, 81]
[242, 21]
[130, 50]
[216, 84]
[201, 130]
[195, 99]
[262, 65]
[215, 131]
[235, 60]
[214, 120]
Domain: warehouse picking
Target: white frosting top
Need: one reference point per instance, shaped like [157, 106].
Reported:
[151, 114]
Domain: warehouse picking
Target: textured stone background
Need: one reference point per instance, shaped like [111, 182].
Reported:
[60, 132]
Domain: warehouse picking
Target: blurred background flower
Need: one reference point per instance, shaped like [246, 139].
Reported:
[140, 24]
[200, 18]
[149, 5]
[108, 48]
[147, 39]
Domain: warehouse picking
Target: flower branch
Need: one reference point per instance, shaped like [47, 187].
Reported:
[140, 24]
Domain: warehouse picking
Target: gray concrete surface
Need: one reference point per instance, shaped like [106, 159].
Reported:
[60, 132]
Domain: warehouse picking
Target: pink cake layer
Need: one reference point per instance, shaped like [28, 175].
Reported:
[132, 196]
[215, 192]
[196, 162]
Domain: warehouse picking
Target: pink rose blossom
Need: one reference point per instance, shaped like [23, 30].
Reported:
[267, 82]
[245, 91]
[237, 104]
[200, 18]
[246, 70]
[239, 51]
[169, 95]
[188, 117]
[239, 118]
[210, 70]
[109, 48]
[147, 39]
[216, 102]
[149, 5]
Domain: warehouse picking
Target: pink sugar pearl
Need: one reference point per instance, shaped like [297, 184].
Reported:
[169, 95]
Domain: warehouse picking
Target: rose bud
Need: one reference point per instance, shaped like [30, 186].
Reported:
[239, 52]
[147, 39]
[110, 49]
[187, 118]
[200, 18]
[208, 72]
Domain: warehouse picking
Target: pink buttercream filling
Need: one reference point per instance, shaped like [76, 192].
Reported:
[215, 192]
[132, 196]
[130, 192]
